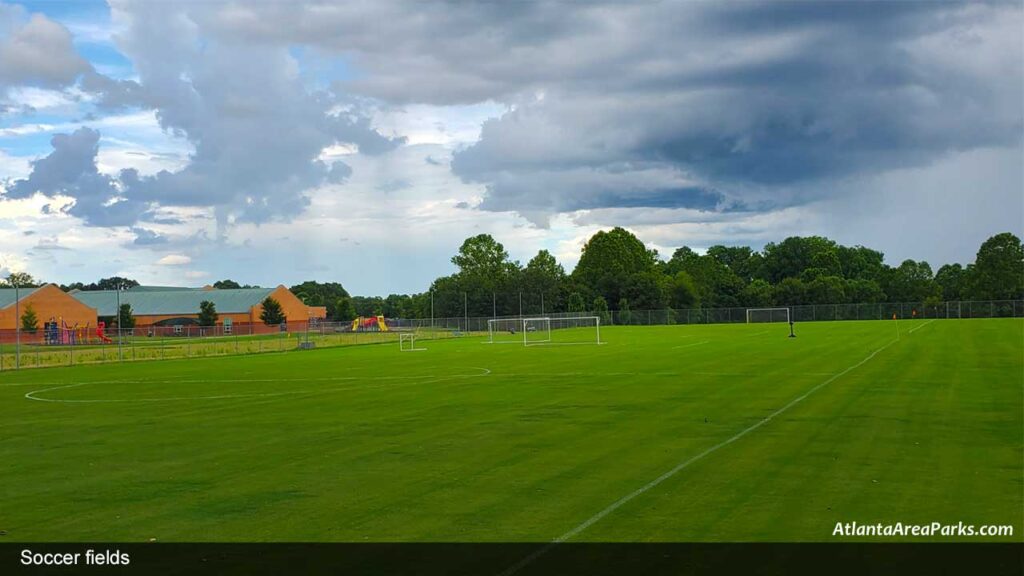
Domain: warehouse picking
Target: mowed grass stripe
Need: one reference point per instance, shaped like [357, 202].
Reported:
[514, 456]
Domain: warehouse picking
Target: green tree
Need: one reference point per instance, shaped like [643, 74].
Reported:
[757, 294]
[29, 320]
[226, 285]
[272, 313]
[344, 310]
[207, 313]
[609, 259]
[789, 258]
[575, 303]
[326, 294]
[863, 291]
[125, 317]
[717, 285]
[601, 309]
[952, 280]
[113, 283]
[483, 256]
[543, 276]
[998, 272]
[790, 292]
[20, 279]
[826, 290]
[625, 316]
[744, 262]
[683, 291]
[648, 290]
[911, 281]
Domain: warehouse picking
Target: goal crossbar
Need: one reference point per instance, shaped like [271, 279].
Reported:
[539, 329]
[780, 314]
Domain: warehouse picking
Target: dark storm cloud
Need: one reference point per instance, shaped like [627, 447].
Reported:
[706, 106]
[760, 102]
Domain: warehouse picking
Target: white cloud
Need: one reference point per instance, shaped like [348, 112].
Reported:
[174, 260]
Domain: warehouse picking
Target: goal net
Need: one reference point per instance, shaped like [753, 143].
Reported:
[505, 331]
[545, 330]
[767, 315]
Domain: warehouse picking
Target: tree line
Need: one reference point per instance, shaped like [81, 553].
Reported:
[616, 271]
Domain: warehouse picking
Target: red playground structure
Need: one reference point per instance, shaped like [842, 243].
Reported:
[101, 332]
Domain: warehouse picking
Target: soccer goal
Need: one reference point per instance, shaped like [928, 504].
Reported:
[767, 315]
[505, 331]
[562, 331]
[407, 342]
[545, 330]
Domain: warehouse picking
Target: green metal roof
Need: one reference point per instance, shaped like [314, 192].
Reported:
[7, 295]
[182, 301]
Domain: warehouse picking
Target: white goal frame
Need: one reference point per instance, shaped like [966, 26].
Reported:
[523, 324]
[545, 330]
[407, 342]
[771, 311]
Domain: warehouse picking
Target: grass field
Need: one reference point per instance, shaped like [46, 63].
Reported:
[676, 433]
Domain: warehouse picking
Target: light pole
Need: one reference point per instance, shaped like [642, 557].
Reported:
[17, 326]
[465, 308]
[120, 356]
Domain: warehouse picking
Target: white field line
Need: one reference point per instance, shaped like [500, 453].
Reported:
[919, 326]
[33, 394]
[691, 345]
[658, 374]
[682, 465]
[483, 372]
[757, 334]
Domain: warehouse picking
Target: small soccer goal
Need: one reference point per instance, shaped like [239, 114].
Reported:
[759, 315]
[407, 342]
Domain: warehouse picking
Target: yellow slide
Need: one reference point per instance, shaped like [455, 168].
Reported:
[380, 324]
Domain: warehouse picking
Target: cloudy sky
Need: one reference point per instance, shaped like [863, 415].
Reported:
[184, 142]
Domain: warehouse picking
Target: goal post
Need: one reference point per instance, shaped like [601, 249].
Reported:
[561, 331]
[758, 315]
[407, 342]
[544, 330]
[536, 330]
[505, 331]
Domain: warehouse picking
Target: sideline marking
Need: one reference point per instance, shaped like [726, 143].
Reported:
[690, 345]
[428, 380]
[919, 326]
[682, 465]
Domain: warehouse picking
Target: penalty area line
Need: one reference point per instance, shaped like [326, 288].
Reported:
[683, 465]
[691, 345]
[919, 326]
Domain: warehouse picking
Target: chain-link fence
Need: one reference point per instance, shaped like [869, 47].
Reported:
[71, 347]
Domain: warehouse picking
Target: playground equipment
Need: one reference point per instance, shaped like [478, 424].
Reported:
[369, 324]
[58, 333]
[101, 329]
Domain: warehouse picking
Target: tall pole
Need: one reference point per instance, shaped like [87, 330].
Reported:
[120, 356]
[431, 309]
[465, 308]
[494, 305]
[520, 304]
[17, 327]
